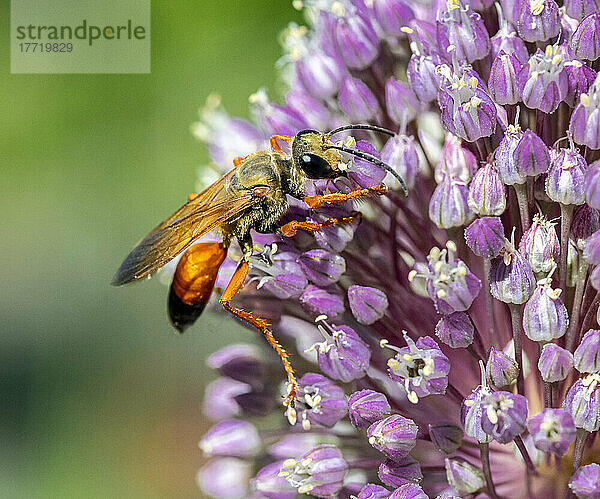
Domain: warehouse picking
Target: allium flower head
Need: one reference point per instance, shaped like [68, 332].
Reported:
[486, 105]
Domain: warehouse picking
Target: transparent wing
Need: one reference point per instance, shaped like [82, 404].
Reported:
[208, 210]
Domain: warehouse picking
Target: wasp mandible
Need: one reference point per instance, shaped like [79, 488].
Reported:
[252, 196]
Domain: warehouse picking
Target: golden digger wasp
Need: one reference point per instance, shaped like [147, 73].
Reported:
[252, 196]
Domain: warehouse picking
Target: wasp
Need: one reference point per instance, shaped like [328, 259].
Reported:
[252, 196]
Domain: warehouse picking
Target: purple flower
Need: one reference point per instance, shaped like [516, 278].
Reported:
[322, 267]
[566, 178]
[242, 362]
[421, 71]
[321, 302]
[455, 161]
[421, 367]
[592, 185]
[578, 9]
[507, 41]
[591, 250]
[555, 363]
[521, 155]
[464, 477]
[372, 491]
[585, 42]
[446, 437]
[543, 81]
[320, 74]
[343, 355]
[503, 79]
[586, 221]
[485, 237]
[400, 101]
[462, 28]
[545, 317]
[511, 278]
[395, 436]
[233, 438]
[472, 414]
[368, 305]
[225, 477]
[448, 206]
[409, 491]
[552, 431]
[540, 245]
[455, 330]
[585, 482]
[586, 356]
[354, 36]
[357, 101]
[269, 484]
[583, 402]
[391, 16]
[400, 153]
[320, 401]
[364, 173]
[504, 416]
[585, 118]
[450, 283]
[580, 78]
[487, 194]
[538, 20]
[397, 473]
[320, 472]
[501, 370]
[466, 109]
[366, 407]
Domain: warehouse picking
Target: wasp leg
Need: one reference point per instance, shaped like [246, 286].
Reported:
[275, 145]
[337, 197]
[238, 161]
[290, 228]
[237, 281]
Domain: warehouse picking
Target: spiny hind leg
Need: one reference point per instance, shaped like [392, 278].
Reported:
[290, 228]
[337, 197]
[235, 284]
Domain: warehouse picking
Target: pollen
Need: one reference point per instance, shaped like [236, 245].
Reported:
[549, 51]
[407, 30]
[473, 82]
[536, 7]
[338, 9]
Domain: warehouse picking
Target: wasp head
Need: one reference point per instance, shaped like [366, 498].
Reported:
[309, 153]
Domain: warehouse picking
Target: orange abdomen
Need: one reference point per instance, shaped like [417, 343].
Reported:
[193, 283]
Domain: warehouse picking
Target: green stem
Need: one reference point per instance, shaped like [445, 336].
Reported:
[521, 191]
[484, 450]
[517, 331]
[489, 304]
[526, 457]
[566, 214]
[577, 300]
[579, 447]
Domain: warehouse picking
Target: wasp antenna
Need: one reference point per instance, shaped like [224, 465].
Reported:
[373, 128]
[371, 159]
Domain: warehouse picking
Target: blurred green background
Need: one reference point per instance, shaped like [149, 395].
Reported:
[100, 398]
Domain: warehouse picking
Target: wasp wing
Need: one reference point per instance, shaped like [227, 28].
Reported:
[212, 207]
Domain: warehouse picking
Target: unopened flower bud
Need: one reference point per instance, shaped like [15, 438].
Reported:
[592, 185]
[587, 355]
[395, 436]
[511, 278]
[233, 438]
[397, 473]
[585, 42]
[368, 305]
[540, 245]
[538, 20]
[357, 101]
[409, 491]
[464, 477]
[455, 330]
[321, 302]
[400, 101]
[448, 205]
[585, 482]
[583, 402]
[487, 194]
[501, 370]
[455, 161]
[485, 237]
[545, 317]
[400, 152]
[269, 484]
[555, 363]
[566, 178]
[446, 437]
[372, 491]
[366, 407]
[591, 250]
[321, 266]
[503, 79]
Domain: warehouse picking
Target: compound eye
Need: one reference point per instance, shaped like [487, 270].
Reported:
[315, 166]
